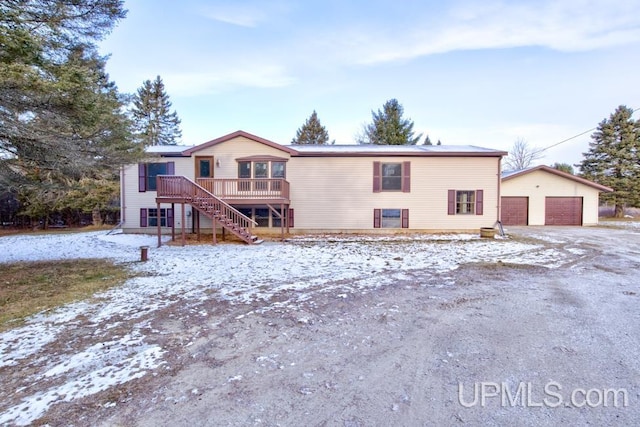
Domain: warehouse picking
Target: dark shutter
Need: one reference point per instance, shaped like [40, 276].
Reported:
[376, 176]
[171, 168]
[479, 202]
[451, 204]
[405, 218]
[170, 217]
[376, 218]
[406, 177]
[290, 219]
[143, 217]
[142, 177]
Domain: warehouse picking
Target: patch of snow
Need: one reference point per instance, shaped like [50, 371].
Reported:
[103, 355]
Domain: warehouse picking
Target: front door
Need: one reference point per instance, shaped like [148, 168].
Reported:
[204, 166]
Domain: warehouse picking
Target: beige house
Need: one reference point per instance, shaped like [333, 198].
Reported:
[543, 195]
[248, 186]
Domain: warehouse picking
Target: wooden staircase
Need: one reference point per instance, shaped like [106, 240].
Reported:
[180, 189]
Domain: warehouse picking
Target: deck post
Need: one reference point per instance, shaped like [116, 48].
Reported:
[183, 221]
[287, 218]
[173, 223]
[158, 226]
[282, 221]
[197, 220]
[215, 238]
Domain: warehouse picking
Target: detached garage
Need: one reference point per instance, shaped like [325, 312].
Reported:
[542, 195]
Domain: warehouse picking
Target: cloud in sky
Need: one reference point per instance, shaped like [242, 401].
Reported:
[224, 78]
[467, 71]
[559, 25]
[236, 15]
[285, 42]
[244, 13]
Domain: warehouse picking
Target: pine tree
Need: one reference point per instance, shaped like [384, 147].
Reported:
[388, 127]
[311, 132]
[564, 167]
[155, 124]
[427, 141]
[61, 117]
[613, 159]
[439, 142]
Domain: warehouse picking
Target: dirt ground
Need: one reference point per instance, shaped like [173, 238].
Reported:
[410, 354]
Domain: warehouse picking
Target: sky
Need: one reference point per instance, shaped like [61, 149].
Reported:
[484, 73]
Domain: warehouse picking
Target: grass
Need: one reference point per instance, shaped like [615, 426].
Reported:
[27, 288]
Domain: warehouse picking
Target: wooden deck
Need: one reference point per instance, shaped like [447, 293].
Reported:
[269, 191]
[179, 189]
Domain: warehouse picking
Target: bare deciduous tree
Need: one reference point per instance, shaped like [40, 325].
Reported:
[521, 155]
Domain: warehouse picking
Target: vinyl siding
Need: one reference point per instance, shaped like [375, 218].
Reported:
[227, 152]
[134, 200]
[538, 185]
[337, 194]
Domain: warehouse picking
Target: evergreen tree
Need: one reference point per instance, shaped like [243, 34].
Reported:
[388, 127]
[564, 167]
[427, 141]
[311, 132]
[61, 117]
[155, 124]
[439, 143]
[613, 159]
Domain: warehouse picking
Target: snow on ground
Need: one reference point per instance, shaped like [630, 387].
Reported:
[98, 354]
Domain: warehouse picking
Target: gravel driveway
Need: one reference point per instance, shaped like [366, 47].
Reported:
[487, 343]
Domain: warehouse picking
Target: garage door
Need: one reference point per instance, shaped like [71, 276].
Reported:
[563, 211]
[515, 210]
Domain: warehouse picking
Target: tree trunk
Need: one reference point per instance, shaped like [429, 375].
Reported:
[96, 218]
[618, 211]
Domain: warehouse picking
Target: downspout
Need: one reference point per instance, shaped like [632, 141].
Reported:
[122, 196]
[498, 213]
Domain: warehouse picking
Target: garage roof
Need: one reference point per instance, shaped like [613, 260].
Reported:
[507, 175]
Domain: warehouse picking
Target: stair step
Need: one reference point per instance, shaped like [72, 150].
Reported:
[257, 242]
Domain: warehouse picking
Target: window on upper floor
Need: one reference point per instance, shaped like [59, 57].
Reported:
[244, 169]
[278, 169]
[391, 176]
[261, 169]
[148, 172]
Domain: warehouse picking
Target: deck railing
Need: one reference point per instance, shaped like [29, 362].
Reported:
[260, 188]
[180, 187]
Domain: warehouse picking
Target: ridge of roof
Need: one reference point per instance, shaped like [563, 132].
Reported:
[507, 175]
[236, 134]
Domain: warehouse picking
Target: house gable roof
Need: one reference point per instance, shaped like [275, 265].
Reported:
[340, 150]
[507, 175]
[236, 134]
[368, 150]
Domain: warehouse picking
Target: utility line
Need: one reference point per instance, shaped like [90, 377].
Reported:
[569, 139]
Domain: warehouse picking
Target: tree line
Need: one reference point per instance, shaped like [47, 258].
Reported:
[613, 158]
[65, 129]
